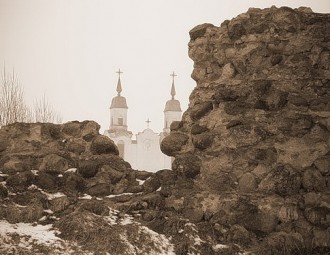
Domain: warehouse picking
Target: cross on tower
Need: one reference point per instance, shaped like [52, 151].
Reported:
[119, 72]
[148, 122]
[173, 75]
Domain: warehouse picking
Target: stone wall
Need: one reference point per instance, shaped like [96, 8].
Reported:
[255, 141]
[72, 158]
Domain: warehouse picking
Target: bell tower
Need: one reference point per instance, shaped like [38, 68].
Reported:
[118, 109]
[172, 110]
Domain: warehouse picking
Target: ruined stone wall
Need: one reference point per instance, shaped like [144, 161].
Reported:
[71, 157]
[255, 140]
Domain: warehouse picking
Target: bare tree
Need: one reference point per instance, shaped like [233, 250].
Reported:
[12, 105]
[44, 112]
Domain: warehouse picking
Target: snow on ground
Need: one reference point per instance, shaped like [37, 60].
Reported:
[163, 244]
[160, 241]
[30, 239]
[27, 238]
[50, 196]
[43, 234]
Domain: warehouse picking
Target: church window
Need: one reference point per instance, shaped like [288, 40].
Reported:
[120, 121]
[121, 148]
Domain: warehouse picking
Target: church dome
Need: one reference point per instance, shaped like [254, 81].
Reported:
[118, 102]
[172, 105]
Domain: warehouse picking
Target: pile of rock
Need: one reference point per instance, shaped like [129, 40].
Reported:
[55, 174]
[255, 141]
[71, 158]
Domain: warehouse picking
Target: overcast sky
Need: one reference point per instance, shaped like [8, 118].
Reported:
[70, 50]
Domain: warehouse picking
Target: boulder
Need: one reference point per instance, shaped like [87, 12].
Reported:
[199, 30]
[103, 145]
[59, 203]
[247, 183]
[88, 168]
[114, 175]
[151, 184]
[99, 189]
[166, 177]
[173, 144]
[73, 182]
[20, 181]
[187, 165]
[312, 179]
[238, 234]
[318, 216]
[283, 180]
[54, 164]
[200, 110]
[72, 129]
[46, 181]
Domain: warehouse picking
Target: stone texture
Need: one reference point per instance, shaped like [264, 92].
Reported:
[174, 143]
[262, 94]
[71, 157]
[54, 163]
[103, 145]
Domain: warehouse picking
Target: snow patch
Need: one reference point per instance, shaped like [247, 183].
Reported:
[51, 196]
[86, 196]
[123, 194]
[35, 172]
[42, 234]
[219, 247]
[140, 181]
[71, 170]
[48, 211]
[32, 187]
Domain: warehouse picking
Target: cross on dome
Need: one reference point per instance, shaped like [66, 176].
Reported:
[119, 88]
[148, 122]
[119, 72]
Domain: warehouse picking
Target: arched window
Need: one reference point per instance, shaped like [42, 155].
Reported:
[121, 148]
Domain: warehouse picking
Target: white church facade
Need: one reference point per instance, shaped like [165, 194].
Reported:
[142, 150]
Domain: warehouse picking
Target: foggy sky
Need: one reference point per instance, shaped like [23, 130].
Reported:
[70, 50]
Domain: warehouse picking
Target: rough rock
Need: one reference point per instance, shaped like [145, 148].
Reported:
[257, 137]
[103, 145]
[174, 143]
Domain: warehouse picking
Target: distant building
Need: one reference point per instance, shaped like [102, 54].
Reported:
[143, 152]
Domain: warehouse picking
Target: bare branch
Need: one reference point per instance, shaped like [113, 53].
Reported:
[12, 105]
[44, 112]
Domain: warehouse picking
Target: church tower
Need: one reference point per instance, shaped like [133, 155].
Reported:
[118, 110]
[172, 110]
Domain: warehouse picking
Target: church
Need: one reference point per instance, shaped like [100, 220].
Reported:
[142, 150]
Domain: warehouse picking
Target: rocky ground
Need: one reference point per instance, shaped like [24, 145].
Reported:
[65, 190]
[251, 169]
